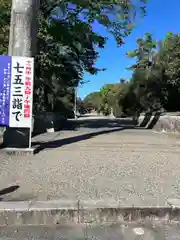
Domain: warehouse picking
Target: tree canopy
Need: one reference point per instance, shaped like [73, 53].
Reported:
[67, 46]
[5, 6]
[155, 82]
[67, 43]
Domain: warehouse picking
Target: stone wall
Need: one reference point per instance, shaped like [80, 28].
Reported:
[46, 120]
[42, 121]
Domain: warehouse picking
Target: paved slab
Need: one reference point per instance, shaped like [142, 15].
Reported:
[135, 167]
[88, 232]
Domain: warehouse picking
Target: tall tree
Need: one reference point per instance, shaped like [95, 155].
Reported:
[67, 43]
[156, 73]
[145, 77]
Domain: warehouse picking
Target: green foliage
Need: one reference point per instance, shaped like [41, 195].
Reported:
[116, 15]
[156, 74]
[108, 95]
[106, 99]
[67, 44]
[155, 82]
[92, 102]
[80, 106]
[4, 25]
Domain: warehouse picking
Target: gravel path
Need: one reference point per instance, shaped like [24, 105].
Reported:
[137, 167]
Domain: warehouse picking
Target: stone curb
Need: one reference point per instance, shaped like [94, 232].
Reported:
[81, 212]
[19, 151]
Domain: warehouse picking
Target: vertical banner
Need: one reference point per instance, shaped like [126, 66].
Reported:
[5, 84]
[19, 91]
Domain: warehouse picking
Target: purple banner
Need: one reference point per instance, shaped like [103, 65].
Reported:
[5, 84]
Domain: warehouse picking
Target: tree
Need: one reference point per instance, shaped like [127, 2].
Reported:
[80, 106]
[156, 73]
[107, 99]
[92, 102]
[67, 44]
[145, 83]
[109, 94]
[116, 15]
[155, 82]
[5, 6]
[71, 27]
[170, 67]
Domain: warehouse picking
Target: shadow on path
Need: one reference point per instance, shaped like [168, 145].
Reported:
[101, 123]
[66, 141]
[150, 120]
[8, 190]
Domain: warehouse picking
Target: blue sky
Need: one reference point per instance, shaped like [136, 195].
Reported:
[162, 16]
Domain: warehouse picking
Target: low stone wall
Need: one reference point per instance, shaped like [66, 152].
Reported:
[42, 121]
[168, 122]
[46, 120]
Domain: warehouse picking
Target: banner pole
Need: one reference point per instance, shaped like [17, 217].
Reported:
[30, 135]
[31, 113]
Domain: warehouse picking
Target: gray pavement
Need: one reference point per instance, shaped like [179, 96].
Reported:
[88, 232]
[136, 167]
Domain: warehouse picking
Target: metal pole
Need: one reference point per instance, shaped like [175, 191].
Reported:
[75, 102]
[32, 122]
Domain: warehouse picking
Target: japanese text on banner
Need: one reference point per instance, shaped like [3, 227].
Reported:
[4, 95]
[21, 92]
[28, 90]
[17, 94]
